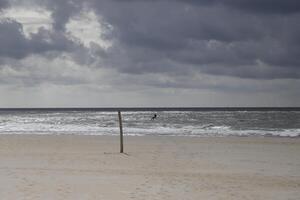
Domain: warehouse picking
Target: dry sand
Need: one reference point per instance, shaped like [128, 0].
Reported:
[90, 167]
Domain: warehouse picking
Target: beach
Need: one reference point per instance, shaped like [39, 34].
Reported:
[152, 167]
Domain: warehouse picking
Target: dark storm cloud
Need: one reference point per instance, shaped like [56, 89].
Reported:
[260, 6]
[14, 44]
[267, 6]
[62, 11]
[235, 38]
[242, 38]
[3, 4]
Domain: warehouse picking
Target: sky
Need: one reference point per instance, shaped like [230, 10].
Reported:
[156, 53]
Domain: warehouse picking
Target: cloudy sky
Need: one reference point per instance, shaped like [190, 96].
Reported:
[105, 53]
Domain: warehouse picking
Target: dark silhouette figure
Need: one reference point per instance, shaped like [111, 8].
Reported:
[154, 117]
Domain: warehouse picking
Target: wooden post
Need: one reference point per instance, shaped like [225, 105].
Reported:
[121, 132]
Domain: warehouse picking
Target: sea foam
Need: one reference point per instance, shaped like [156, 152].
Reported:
[172, 123]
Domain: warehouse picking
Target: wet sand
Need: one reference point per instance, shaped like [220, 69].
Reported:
[90, 167]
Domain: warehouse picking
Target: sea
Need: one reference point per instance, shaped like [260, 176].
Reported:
[197, 122]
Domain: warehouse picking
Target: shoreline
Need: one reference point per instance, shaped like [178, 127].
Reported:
[150, 135]
[153, 167]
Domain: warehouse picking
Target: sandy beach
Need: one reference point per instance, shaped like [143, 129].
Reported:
[90, 167]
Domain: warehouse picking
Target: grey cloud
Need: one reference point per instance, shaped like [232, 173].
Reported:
[259, 6]
[62, 11]
[3, 4]
[39, 69]
[242, 38]
[14, 44]
[217, 37]
[13, 41]
[268, 6]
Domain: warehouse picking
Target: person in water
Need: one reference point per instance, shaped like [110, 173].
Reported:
[154, 117]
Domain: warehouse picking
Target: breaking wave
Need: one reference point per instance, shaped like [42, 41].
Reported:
[171, 123]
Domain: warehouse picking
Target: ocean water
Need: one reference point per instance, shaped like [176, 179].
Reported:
[279, 122]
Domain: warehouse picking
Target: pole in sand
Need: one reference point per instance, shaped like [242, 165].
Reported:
[121, 132]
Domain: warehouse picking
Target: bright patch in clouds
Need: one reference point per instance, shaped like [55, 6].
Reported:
[87, 28]
[31, 19]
